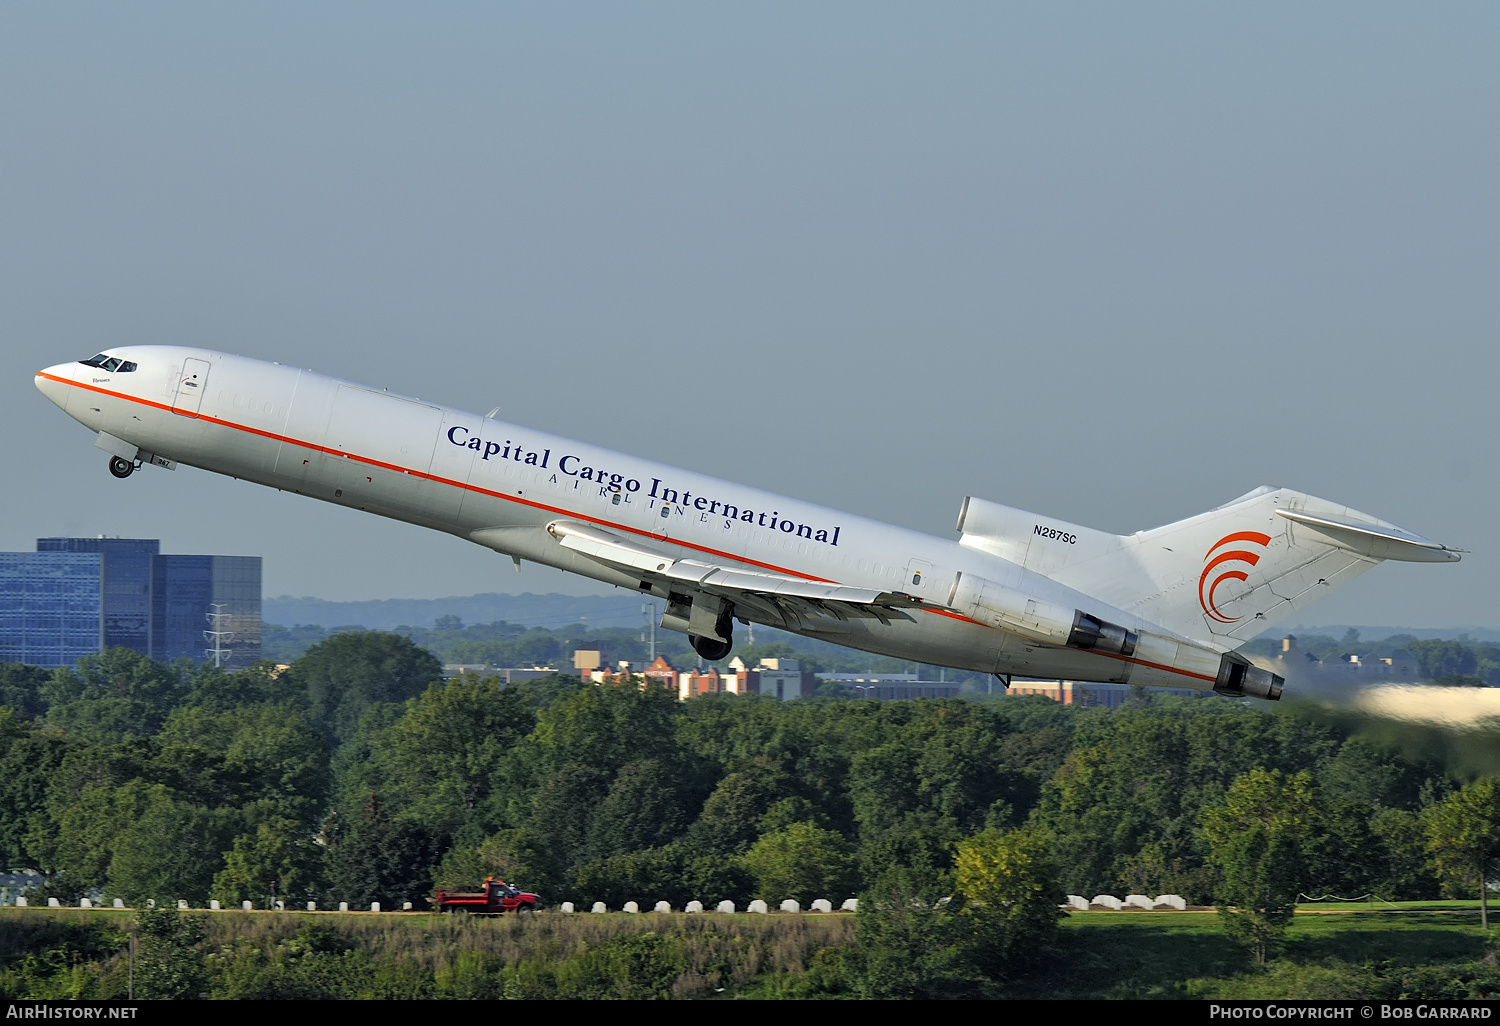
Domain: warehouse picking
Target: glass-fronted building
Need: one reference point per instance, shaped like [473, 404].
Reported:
[203, 603]
[127, 585]
[75, 596]
[51, 607]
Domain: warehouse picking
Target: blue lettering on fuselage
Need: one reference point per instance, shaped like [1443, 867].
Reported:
[573, 466]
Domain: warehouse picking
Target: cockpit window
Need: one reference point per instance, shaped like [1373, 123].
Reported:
[105, 362]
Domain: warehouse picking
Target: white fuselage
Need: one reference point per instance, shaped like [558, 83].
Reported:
[499, 484]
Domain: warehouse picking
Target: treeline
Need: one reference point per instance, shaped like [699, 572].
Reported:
[356, 775]
[507, 644]
[1459, 661]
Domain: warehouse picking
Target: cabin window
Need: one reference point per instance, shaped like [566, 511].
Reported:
[95, 361]
[126, 366]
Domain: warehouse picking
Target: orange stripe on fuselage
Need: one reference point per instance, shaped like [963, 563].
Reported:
[542, 506]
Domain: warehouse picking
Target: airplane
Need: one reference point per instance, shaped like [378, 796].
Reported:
[1016, 594]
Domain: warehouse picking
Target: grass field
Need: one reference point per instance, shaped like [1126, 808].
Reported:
[1349, 950]
[1429, 949]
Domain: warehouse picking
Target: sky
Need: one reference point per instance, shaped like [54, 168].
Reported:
[1113, 263]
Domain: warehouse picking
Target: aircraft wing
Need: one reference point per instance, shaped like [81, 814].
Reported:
[776, 598]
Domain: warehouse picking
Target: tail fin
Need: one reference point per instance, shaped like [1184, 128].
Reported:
[1219, 578]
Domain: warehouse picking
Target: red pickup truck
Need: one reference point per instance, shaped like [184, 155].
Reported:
[497, 897]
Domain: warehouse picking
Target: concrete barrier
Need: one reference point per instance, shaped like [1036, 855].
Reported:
[20, 903]
[374, 906]
[343, 906]
[1106, 901]
[85, 903]
[246, 906]
[1171, 901]
[312, 906]
[758, 907]
[119, 903]
[599, 906]
[822, 905]
[791, 905]
[663, 906]
[850, 905]
[726, 906]
[567, 908]
[213, 904]
[406, 906]
[1139, 901]
[53, 903]
[280, 905]
[632, 907]
[1079, 902]
[181, 905]
[693, 906]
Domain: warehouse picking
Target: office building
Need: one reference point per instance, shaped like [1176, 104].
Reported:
[76, 596]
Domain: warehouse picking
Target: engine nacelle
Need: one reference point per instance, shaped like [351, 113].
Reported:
[1239, 679]
[1011, 610]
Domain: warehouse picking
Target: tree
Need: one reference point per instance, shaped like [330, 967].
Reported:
[170, 850]
[277, 860]
[1008, 885]
[909, 944]
[374, 858]
[28, 760]
[443, 756]
[112, 694]
[731, 814]
[1438, 658]
[349, 673]
[1463, 837]
[21, 689]
[643, 809]
[803, 861]
[1257, 835]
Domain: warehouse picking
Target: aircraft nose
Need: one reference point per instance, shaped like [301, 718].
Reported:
[52, 383]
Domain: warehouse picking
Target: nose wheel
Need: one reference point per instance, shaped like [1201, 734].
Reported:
[121, 468]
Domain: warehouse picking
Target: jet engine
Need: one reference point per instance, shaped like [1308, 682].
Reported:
[1047, 622]
[1143, 658]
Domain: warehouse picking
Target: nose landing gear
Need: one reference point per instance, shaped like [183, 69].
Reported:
[121, 468]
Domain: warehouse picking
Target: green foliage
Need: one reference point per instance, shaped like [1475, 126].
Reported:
[1258, 836]
[1007, 884]
[911, 943]
[804, 862]
[356, 776]
[1463, 836]
[43, 959]
[278, 860]
[1444, 658]
[29, 758]
[373, 857]
[169, 966]
[643, 966]
[440, 761]
[21, 690]
[342, 678]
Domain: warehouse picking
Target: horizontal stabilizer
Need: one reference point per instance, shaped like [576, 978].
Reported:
[1372, 540]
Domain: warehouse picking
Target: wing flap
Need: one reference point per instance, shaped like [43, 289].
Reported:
[792, 599]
